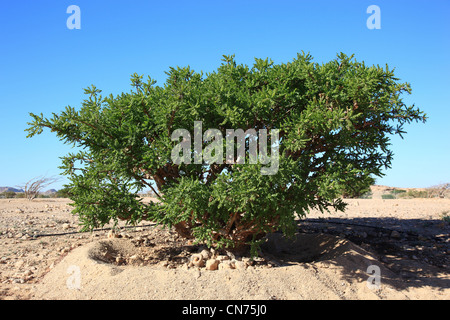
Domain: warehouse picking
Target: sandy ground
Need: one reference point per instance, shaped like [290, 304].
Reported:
[334, 256]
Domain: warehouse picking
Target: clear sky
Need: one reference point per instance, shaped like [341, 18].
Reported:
[44, 65]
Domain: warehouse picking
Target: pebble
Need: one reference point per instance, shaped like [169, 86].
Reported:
[133, 258]
[222, 258]
[119, 259]
[205, 254]
[225, 264]
[247, 261]
[112, 234]
[28, 273]
[25, 237]
[240, 265]
[197, 260]
[126, 235]
[212, 264]
[231, 255]
[65, 250]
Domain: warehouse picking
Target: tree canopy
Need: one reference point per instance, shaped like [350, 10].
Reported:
[334, 122]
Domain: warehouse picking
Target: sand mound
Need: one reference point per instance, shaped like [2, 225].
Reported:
[313, 266]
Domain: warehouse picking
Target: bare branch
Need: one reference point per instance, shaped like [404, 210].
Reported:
[34, 186]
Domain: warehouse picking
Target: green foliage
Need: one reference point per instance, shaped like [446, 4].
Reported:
[387, 196]
[64, 192]
[359, 188]
[416, 194]
[366, 195]
[8, 194]
[445, 216]
[398, 193]
[335, 120]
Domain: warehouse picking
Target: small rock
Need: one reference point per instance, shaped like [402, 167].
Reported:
[66, 226]
[205, 254]
[112, 234]
[222, 258]
[259, 259]
[231, 255]
[119, 259]
[197, 260]
[212, 264]
[225, 264]
[247, 261]
[165, 263]
[134, 259]
[240, 265]
[125, 235]
[28, 273]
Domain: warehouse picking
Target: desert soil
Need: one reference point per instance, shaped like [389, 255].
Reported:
[44, 256]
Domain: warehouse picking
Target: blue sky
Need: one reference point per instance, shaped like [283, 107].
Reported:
[44, 66]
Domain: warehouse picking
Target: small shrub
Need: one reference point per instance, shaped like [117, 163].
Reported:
[63, 193]
[9, 194]
[34, 186]
[439, 191]
[367, 195]
[445, 216]
[387, 196]
[417, 194]
[334, 121]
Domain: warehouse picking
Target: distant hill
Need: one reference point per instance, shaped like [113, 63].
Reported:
[9, 189]
[50, 191]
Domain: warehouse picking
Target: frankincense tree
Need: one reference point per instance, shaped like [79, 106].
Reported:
[333, 123]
